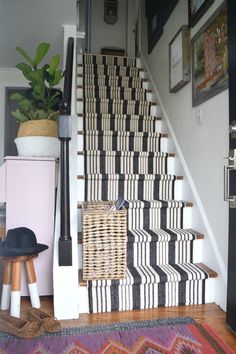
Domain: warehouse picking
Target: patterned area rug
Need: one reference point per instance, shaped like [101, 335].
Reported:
[177, 336]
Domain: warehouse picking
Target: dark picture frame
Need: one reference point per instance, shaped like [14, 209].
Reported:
[179, 59]
[210, 58]
[196, 9]
[157, 12]
[154, 22]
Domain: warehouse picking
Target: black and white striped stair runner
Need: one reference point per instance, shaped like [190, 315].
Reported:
[130, 186]
[122, 141]
[123, 158]
[119, 122]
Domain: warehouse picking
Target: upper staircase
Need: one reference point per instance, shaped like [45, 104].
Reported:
[127, 155]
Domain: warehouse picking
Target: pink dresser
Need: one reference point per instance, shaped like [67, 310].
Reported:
[27, 186]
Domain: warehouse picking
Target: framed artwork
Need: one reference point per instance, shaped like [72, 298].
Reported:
[196, 9]
[157, 12]
[179, 59]
[210, 58]
[154, 21]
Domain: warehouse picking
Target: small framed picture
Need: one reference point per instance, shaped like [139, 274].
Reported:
[196, 9]
[210, 58]
[179, 59]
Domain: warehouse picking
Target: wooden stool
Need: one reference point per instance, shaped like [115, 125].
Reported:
[12, 283]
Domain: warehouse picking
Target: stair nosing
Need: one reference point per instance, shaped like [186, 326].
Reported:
[212, 274]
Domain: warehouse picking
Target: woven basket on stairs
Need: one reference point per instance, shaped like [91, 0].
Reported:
[104, 241]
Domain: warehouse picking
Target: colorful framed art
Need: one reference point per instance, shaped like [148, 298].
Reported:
[210, 58]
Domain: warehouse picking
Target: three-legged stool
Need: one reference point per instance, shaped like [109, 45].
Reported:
[11, 288]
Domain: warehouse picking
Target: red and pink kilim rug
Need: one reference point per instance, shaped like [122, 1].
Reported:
[177, 336]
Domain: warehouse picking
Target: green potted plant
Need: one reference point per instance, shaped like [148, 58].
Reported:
[37, 111]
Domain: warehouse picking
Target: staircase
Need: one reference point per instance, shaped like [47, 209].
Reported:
[126, 155]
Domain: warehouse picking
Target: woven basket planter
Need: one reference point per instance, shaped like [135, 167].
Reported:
[38, 138]
[104, 241]
[38, 127]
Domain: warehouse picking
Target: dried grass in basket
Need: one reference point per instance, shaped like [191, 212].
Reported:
[104, 241]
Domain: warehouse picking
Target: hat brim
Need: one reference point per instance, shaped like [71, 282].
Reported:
[6, 252]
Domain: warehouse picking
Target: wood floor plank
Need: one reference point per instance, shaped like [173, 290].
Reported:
[211, 314]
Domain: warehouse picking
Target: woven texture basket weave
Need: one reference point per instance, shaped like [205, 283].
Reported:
[104, 241]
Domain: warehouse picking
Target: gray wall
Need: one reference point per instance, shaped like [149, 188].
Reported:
[104, 35]
[27, 22]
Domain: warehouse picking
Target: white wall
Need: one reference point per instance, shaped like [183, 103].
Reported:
[202, 146]
[104, 35]
[27, 22]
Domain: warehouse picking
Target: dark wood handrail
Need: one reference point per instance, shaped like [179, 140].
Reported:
[64, 135]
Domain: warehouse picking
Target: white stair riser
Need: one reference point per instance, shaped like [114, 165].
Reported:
[80, 165]
[80, 123]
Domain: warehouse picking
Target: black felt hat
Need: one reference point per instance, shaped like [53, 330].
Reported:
[21, 241]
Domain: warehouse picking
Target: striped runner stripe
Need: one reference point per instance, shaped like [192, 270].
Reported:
[93, 105]
[113, 81]
[125, 162]
[110, 70]
[115, 93]
[109, 60]
[119, 141]
[119, 122]
[133, 186]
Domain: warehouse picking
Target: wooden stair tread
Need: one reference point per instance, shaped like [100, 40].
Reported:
[212, 273]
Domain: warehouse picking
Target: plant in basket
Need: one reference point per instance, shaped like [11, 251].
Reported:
[37, 111]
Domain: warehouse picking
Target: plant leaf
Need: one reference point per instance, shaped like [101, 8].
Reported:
[39, 92]
[37, 76]
[41, 51]
[25, 105]
[25, 55]
[54, 64]
[57, 77]
[26, 70]
[17, 97]
[53, 103]
[20, 117]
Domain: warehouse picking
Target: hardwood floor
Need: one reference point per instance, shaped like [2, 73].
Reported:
[210, 314]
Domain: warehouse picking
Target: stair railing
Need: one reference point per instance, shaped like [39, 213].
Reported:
[64, 135]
